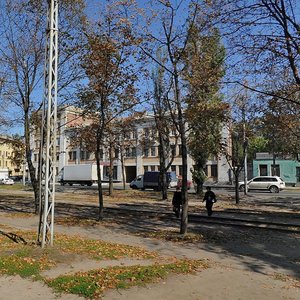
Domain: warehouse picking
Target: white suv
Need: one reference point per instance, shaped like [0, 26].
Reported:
[272, 183]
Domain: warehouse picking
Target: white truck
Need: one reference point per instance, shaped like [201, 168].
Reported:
[83, 174]
[3, 173]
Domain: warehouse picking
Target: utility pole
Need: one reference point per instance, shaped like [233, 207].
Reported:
[47, 160]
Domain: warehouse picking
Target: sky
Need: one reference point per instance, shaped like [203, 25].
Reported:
[93, 8]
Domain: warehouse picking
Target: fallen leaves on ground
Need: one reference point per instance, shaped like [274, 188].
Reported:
[93, 283]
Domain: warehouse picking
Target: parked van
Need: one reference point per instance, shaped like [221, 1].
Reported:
[151, 180]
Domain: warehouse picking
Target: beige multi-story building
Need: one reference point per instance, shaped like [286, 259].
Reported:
[7, 153]
[138, 156]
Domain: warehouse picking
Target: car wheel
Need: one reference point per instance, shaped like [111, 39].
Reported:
[274, 189]
[242, 188]
[134, 187]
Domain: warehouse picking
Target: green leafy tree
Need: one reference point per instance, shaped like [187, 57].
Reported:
[206, 112]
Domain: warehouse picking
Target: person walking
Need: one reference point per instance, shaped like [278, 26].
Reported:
[177, 201]
[210, 199]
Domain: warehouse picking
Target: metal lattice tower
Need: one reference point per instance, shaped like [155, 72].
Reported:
[47, 162]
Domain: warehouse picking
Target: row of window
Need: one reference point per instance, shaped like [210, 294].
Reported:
[147, 132]
[5, 164]
[210, 171]
[129, 152]
[263, 170]
[4, 153]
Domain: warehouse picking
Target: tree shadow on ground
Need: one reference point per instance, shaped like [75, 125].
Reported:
[259, 250]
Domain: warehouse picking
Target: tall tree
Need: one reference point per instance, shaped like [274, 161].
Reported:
[206, 112]
[22, 51]
[111, 74]
[172, 21]
[163, 124]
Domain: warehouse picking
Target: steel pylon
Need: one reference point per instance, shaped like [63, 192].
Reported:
[47, 159]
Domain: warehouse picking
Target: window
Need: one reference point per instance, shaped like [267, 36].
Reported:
[146, 152]
[88, 154]
[127, 152]
[214, 170]
[134, 134]
[152, 168]
[173, 169]
[35, 157]
[275, 170]
[263, 170]
[116, 153]
[133, 151]
[115, 172]
[145, 169]
[74, 155]
[82, 155]
[173, 150]
[258, 179]
[180, 149]
[153, 152]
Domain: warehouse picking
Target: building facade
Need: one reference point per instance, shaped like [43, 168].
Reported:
[137, 156]
[287, 169]
[7, 153]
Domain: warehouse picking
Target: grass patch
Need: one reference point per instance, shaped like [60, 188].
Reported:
[100, 249]
[25, 262]
[14, 187]
[92, 284]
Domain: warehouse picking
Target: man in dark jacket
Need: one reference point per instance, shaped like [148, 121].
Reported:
[177, 201]
[210, 199]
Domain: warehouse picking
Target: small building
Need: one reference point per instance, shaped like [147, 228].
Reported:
[8, 165]
[285, 167]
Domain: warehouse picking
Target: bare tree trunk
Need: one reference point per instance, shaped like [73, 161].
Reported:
[33, 178]
[162, 166]
[181, 125]
[123, 170]
[185, 202]
[236, 186]
[99, 180]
